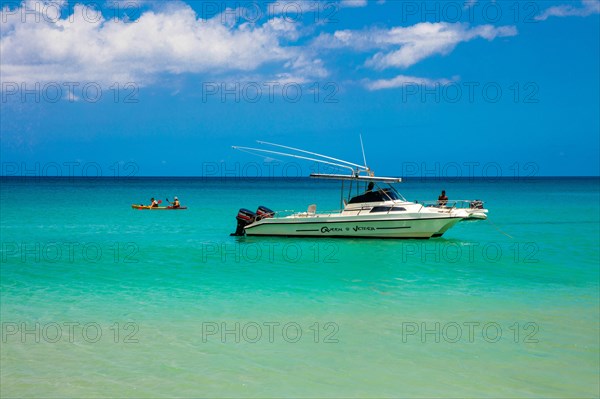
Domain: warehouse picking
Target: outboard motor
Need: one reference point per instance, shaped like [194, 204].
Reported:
[263, 213]
[244, 218]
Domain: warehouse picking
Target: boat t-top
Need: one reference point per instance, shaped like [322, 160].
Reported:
[372, 207]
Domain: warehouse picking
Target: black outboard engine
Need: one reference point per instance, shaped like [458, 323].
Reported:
[263, 213]
[244, 218]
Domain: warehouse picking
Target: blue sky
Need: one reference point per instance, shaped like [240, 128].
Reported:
[436, 88]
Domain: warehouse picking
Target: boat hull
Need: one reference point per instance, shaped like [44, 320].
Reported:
[368, 227]
[476, 214]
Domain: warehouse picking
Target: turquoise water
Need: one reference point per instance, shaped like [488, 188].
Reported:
[99, 300]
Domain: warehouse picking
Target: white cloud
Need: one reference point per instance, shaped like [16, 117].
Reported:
[588, 7]
[71, 97]
[172, 39]
[353, 3]
[312, 7]
[308, 66]
[292, 7]
[402, 81]
[405, 46]
[86, 47]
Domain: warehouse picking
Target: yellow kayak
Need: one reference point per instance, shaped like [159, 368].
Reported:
[158, 208]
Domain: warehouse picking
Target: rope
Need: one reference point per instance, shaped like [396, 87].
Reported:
[497, 228]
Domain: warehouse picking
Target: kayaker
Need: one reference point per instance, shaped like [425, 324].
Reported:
[175, 203]
[154, 203]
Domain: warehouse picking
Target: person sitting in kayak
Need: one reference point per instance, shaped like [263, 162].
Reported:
[154, 203]
[175, 203]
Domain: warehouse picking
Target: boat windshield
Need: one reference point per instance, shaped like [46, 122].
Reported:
[386, 194]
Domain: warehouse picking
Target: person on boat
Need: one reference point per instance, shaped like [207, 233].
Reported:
[154, 203]
[370, 187]
[442, 199]
[175, 203]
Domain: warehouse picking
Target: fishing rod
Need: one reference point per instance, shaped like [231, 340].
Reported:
[314, 153]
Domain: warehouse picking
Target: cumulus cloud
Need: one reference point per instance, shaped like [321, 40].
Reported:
[312, 6]
[170, 39]
[402, 81]
[86, 46]
[587, 7]
[405, 46]
[290, 7]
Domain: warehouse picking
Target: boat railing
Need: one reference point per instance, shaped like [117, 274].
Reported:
[284, 213]
[356, 212]
[453, 204]
[449, 206]
[292, 212]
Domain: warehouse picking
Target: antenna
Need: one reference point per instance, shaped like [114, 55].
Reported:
[363, 151]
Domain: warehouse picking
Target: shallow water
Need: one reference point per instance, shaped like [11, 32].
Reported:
[101, 300]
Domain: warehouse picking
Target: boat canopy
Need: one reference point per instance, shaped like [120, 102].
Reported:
[354, 177]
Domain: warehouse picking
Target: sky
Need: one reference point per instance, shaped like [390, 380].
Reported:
[436, 89]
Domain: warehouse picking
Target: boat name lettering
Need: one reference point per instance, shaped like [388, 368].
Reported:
[326, 229]
[361, 228]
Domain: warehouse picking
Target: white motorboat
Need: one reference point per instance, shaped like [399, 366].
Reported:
[378, 210]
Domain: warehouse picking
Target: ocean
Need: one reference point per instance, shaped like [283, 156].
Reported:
[100, 300]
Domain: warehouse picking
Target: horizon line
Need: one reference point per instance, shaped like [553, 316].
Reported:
[296, 177]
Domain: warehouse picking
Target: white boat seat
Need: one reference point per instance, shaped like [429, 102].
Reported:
[312, 209]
